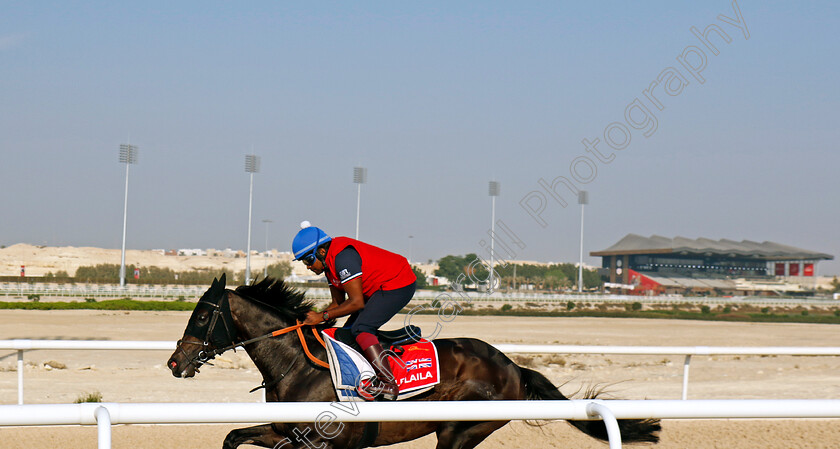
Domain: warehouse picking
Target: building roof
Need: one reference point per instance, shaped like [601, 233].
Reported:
[655, 244]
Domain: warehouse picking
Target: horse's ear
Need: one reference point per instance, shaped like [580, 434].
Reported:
[214, 284]
[222, 281]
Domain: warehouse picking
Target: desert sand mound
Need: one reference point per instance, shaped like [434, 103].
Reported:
[40, 260]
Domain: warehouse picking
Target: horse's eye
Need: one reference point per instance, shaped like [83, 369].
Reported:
[203, 319]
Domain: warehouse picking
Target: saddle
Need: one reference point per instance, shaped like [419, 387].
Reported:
[389, 339]
[416, 370]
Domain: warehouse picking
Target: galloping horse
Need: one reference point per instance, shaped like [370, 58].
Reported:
[470, 370]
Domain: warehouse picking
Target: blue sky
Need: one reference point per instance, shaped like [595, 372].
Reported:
[435, 99]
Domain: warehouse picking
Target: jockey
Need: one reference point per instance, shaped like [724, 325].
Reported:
[367, 283]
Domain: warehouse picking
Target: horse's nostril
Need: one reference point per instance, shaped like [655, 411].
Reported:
[173, 364]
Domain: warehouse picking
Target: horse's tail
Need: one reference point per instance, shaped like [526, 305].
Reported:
[537, 387]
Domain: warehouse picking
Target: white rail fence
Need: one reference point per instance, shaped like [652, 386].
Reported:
[191, 292]
[687, 351]
[21, 345]
[104, 415]
[24, 289]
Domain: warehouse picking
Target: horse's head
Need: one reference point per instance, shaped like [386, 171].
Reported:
[209, 331]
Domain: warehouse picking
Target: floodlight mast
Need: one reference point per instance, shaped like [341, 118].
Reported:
[128, 156]
[252, 165]
[494, 190]
[266, 221]
[410, 246]
[359, 177]
[583, 199]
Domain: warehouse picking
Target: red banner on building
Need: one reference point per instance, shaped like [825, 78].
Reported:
[780, 269]
[642, 282]
[808, 270]
[793, 269]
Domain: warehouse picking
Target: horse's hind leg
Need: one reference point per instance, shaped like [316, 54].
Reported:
[465, 435]
[263, 435]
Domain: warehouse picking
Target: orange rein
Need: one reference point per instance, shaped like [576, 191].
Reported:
[303, 341]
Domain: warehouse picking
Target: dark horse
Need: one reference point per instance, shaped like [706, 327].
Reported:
[470, 370]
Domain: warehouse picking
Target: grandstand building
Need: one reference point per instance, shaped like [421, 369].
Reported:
[657, 265]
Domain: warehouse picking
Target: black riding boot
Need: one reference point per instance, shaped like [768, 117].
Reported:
[386, 385]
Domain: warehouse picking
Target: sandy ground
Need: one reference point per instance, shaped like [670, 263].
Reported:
[140, 376]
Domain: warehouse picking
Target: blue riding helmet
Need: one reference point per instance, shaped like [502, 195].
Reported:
[308, 240]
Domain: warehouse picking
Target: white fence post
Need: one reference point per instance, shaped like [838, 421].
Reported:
[686, 366]
[20, 375]
[595, 409]
[103, 427]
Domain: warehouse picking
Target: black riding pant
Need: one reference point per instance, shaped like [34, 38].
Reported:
[379, 308]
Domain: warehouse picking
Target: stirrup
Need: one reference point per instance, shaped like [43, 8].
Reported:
[371, 389]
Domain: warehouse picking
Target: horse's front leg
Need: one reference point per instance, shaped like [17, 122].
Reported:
[289, 436]
[263, 435]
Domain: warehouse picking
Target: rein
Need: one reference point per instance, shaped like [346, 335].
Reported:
[297, 327]
[203, 357]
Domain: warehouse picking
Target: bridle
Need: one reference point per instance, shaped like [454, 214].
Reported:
[205, 354]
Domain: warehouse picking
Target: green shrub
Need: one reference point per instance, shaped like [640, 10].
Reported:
[706, 309]
[727, 309]
[421, 278]
[506, 307]
[33, 297]
[570, 305]
[765, 310]
[90, 299]
[89, 397]
[636, 306]
[157, 275]
[279, 270]
[805, 312]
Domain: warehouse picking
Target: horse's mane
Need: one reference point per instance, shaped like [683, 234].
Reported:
[280, 297]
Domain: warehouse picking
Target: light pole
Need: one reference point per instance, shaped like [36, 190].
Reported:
[410, 241]
[359, 177]
[128, 156]
[266, 221]
[583, 199]
[494, 191]
[252, 165]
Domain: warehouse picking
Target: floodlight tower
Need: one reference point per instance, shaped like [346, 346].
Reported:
[266, 221]
[128, 156]
[359, 177]
[583, 199]
[252, 165]
[494, 191]
[410, 246]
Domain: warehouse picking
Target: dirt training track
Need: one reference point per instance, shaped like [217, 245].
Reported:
[140, 376]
